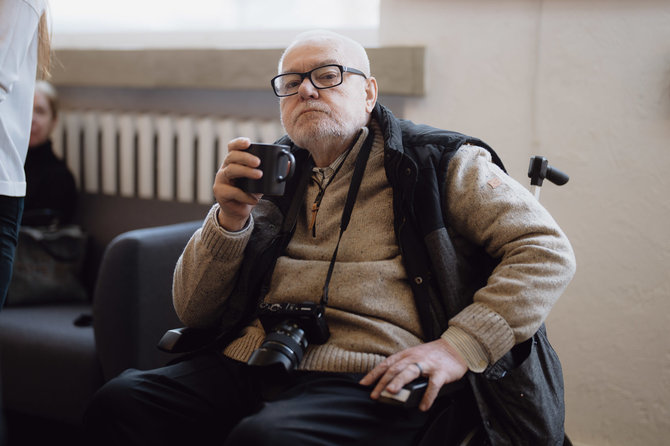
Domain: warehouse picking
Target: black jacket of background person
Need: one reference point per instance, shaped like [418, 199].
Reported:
[51, 193]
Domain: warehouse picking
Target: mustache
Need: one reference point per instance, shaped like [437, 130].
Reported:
[313, 106]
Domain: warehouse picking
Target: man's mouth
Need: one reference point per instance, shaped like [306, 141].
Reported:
[313, 106]
[311, 110]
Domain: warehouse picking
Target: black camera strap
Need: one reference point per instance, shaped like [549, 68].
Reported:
[357, 178]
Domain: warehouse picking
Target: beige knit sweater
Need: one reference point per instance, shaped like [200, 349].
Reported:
[371, 312]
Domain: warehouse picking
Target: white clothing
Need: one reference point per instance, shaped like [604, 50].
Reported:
[19, 21]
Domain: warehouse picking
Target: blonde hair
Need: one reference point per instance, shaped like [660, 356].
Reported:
[44, 48]
[49, 91]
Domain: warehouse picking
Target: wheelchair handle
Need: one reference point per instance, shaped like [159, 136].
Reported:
[539, 169]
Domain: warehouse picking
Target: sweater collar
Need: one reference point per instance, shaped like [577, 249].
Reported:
[323, 175]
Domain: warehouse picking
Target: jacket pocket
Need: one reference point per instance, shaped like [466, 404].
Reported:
[521, 396]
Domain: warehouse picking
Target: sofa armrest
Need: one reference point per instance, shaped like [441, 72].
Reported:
[132, 302]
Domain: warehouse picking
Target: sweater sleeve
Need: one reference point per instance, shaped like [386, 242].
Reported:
[206, 270]
[492, 210]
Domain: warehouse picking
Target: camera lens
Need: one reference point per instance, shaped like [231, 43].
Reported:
[285, 346]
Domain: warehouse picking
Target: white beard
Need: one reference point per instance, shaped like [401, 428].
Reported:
[321, 134]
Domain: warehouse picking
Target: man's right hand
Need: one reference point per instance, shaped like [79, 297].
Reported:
[235, 204]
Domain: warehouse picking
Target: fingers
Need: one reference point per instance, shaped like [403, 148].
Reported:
[235, 204]
[240, 143]
[434, 360]
[374, 374]
[392, 374]
[402, 372]
[238, 163]
[435, 383]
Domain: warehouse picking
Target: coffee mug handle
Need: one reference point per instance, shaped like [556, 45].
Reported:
[291, 159]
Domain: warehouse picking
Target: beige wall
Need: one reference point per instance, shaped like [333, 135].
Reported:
[586, 84]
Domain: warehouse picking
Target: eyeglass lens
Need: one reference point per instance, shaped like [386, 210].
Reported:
[322, 77]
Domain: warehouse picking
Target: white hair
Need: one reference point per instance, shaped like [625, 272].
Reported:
[325, 36]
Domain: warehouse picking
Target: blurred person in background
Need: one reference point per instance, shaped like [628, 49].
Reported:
[24, 54]
[50, 187]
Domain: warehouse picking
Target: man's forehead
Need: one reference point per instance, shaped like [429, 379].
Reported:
[308, 55]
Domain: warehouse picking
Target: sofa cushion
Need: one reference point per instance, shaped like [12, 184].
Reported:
[48, 364]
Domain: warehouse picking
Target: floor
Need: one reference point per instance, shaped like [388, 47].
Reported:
[20, 430]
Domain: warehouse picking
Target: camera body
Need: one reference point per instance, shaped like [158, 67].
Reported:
[290, 329]
[309, 316]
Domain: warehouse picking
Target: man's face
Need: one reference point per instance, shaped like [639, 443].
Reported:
[331, 116]
[43, 120]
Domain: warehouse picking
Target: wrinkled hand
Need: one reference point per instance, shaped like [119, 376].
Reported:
[235, 204]
[438, 361]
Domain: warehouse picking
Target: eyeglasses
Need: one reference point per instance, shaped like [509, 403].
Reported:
[327, 76]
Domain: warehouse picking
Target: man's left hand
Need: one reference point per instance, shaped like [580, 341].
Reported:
[436, 360]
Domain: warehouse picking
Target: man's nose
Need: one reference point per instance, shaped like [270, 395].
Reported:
[307, 89]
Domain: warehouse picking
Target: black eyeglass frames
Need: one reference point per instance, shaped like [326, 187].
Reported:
[326, 76]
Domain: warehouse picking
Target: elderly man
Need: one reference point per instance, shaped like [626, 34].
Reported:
[435, 266]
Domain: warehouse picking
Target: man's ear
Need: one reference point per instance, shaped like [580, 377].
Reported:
[370, 94]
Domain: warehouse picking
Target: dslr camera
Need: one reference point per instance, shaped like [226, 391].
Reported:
[290, 328]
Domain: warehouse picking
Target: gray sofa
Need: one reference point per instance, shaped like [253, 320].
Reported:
[53, 357]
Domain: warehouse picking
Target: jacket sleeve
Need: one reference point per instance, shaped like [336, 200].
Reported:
[492, 210]
[206, 270]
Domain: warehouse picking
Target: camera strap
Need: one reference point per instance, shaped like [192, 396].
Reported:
[357, 178]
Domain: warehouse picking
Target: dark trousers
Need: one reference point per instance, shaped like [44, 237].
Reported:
[11, 210]
[210, 399]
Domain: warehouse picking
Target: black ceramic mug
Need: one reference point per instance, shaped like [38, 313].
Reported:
[277, 164]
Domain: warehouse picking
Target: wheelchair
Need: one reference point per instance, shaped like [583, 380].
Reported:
[452, 422]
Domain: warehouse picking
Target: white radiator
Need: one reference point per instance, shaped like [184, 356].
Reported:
[145, 155]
